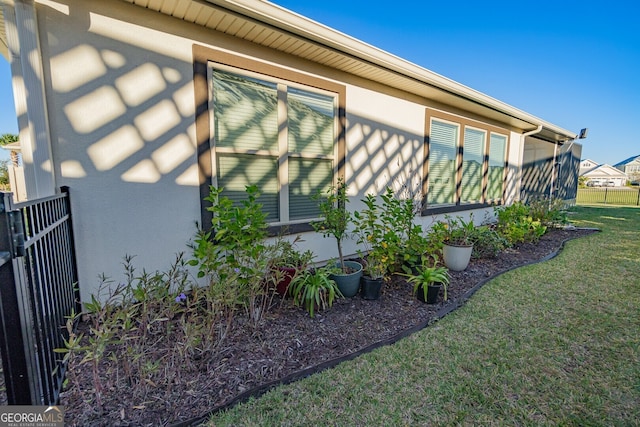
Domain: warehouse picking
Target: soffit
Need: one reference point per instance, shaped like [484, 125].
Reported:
[269, 25]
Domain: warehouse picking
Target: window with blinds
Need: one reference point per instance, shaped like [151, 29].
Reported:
[466, 162]
[443, 143]
[278, 137]
[472, 161]
[497, 153]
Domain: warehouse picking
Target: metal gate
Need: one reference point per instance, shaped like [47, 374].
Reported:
[38, 292]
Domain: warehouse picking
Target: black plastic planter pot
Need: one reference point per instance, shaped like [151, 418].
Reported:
[370, 288]
[432, 294]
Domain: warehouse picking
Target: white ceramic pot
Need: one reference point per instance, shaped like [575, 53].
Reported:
[456, 258]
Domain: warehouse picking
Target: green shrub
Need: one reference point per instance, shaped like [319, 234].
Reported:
[453, 231]
[487, 243]
[549, 211]
[236, 246]
[516, 224]
[387, 230]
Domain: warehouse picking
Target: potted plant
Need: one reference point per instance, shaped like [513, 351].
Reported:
[373, 277]
[456, 236]
[314, 289]
[427, 283]
[335, 224]
[287, 262]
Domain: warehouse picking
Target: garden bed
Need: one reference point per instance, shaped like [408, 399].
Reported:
[288, 344]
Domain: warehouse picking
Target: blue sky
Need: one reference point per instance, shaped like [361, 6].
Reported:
[572, 63]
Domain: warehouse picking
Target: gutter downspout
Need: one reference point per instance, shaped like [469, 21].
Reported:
[521, 155]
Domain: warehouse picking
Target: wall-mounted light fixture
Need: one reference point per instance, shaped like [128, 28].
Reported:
[583, 133]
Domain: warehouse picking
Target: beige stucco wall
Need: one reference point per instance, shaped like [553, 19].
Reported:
[122, 117]
[121, 106]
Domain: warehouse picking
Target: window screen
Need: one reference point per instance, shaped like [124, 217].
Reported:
[472, 160]
[442, 162]
[497, 151]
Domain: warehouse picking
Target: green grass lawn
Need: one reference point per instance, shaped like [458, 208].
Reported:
[556, 343]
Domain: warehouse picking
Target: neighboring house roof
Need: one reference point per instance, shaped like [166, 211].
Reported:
[631, 159]
[270, 25]
[588, 161]
[604, 171]
[587, 165]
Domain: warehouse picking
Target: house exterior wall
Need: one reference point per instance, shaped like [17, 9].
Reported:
[568, 172]
[541, 179]
[122, 121]
[536, 170]
[632, 170]
[119, 82]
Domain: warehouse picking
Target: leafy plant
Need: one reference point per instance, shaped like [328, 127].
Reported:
[487, 243]
[387, 230]
[314, 289]
[372, 234]
[549, 211]
[453, 231]
[285, 254]
[336, 216]
[237, 242]
[426, 276]
[375, 265]
[516, 224]
[398, 217]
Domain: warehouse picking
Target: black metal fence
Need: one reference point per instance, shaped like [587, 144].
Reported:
[609, 196]
[38, 279]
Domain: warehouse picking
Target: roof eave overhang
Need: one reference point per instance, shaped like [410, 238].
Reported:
[296, 24]
[380, 66]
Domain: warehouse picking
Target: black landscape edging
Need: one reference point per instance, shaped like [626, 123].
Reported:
[443, 311]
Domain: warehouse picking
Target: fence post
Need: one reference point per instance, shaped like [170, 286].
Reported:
[17, 362]
[72, 243]
[638, 201]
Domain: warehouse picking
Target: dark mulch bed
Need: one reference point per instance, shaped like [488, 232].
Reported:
[287, 344]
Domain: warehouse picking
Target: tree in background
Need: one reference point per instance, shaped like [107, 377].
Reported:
[582, 182]
[4, 174]
[8, 138]
[5, 139]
